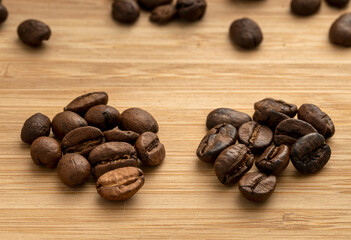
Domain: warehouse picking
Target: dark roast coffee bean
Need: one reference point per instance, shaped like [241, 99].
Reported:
[117, 135]
[150, 150]
[82, 140]
[73, 169]
[120, 184]
[191, 10]
[226, 115]
[36, 126]
[310, 153]
[33, 32]
[338, 3]
[271, 112]
[46, 151]
[290, 130]
[257, 187]
[215, 141]
[233, 163]
[83, 103]
[163, 14]
[112, 155]
[319, 120]
[138, 120]
[103, 117]
[340, 31]
[305, 7]
[245, 33]
[3, 13]
[151, 4]
[65, 122]
[274, 160]
[255, 136]
[125, 11]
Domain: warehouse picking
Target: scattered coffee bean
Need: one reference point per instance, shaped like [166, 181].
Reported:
[117, 135]
[138, 120]
[103, 117]
[191, 10]
[226, 115]
[255, 136]
[3, 13]
[33, 32]
[257, 187]
[233, 163]
[340, 31]
[65, 122]
[151, 4]
[319, 120]
[274, 160]
[150, 150]
[305, 7]
[245, 33]
[310, 153]
[45, 151]
[338, 3]
[125, 11]
[36, 126]
[83, 103]
[120, 184]
[163, 14]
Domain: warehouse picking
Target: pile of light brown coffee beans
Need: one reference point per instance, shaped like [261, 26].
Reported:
[94, 138]
[274, 136]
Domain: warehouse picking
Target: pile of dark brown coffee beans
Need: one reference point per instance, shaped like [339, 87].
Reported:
[274, 136]
[94, 138]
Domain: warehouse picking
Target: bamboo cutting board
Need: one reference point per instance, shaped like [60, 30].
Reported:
[179, 73]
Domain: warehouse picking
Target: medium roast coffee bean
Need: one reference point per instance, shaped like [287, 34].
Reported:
[271, 112]
[191, 10]
[151, 4]
[290, 130]
[83, 103]
[138, 120]
[117, 135]
[33, 32]
[340, 31]
[233, 163]
[65, 122]
[150, 150]
[255, 136]
[82, 140]
[73, 169]
[215, 141]
[103, 117]
[163, 14]
[3, 13]
[338, 3]
[120, 184]
[36, 126]
[112, 155]
[319, 120]
[274, 160]
[226, 115]
[310, 153]
[257, 187]
[245, 33]
[46, 151]
[125, 11]
[305, 7]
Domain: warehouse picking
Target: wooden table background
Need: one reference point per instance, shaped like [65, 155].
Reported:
[179, 73]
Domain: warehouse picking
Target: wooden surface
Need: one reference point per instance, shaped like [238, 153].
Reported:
[179, 73]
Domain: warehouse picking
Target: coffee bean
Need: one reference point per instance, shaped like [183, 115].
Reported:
[274, 160]
[319, 120]
[215, 141]
[117, 135]
[46, 151]
[73, 169]
[245, 33]
[112, 155]
[338, 3]
[226, 115]
[305, 7]
[103, 117]
[120, 184]
[138, 120]
[290, 130]
[3, 13]
[125, 11]
[310, 153]
[191, 10]
[36, 126]
[150, 150]
[255, 136]
[151, 4]
[33, 32]
[83, 103]
[340, 31]
[257, 187]
[233, 163]
[271, 112]
[65, 122]
[82, 140]
[163, 14]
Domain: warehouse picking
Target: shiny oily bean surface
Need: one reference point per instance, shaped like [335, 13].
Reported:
[33, 32]
[274, 160]
[103, 117]
[65, 122]
[163, 14]
[3, 13]
[83, 103]
[117, 135]
[255, 136]
[138, 120]
[226, 115]
[191, 10]
[338, 3]
[245, 33]
[340, 31]
[151, 4]
[150, 150]
[125, 11]
[45, 151]
[305, 7]
[36, 126]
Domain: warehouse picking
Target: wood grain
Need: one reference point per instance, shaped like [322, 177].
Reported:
[179, 73]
